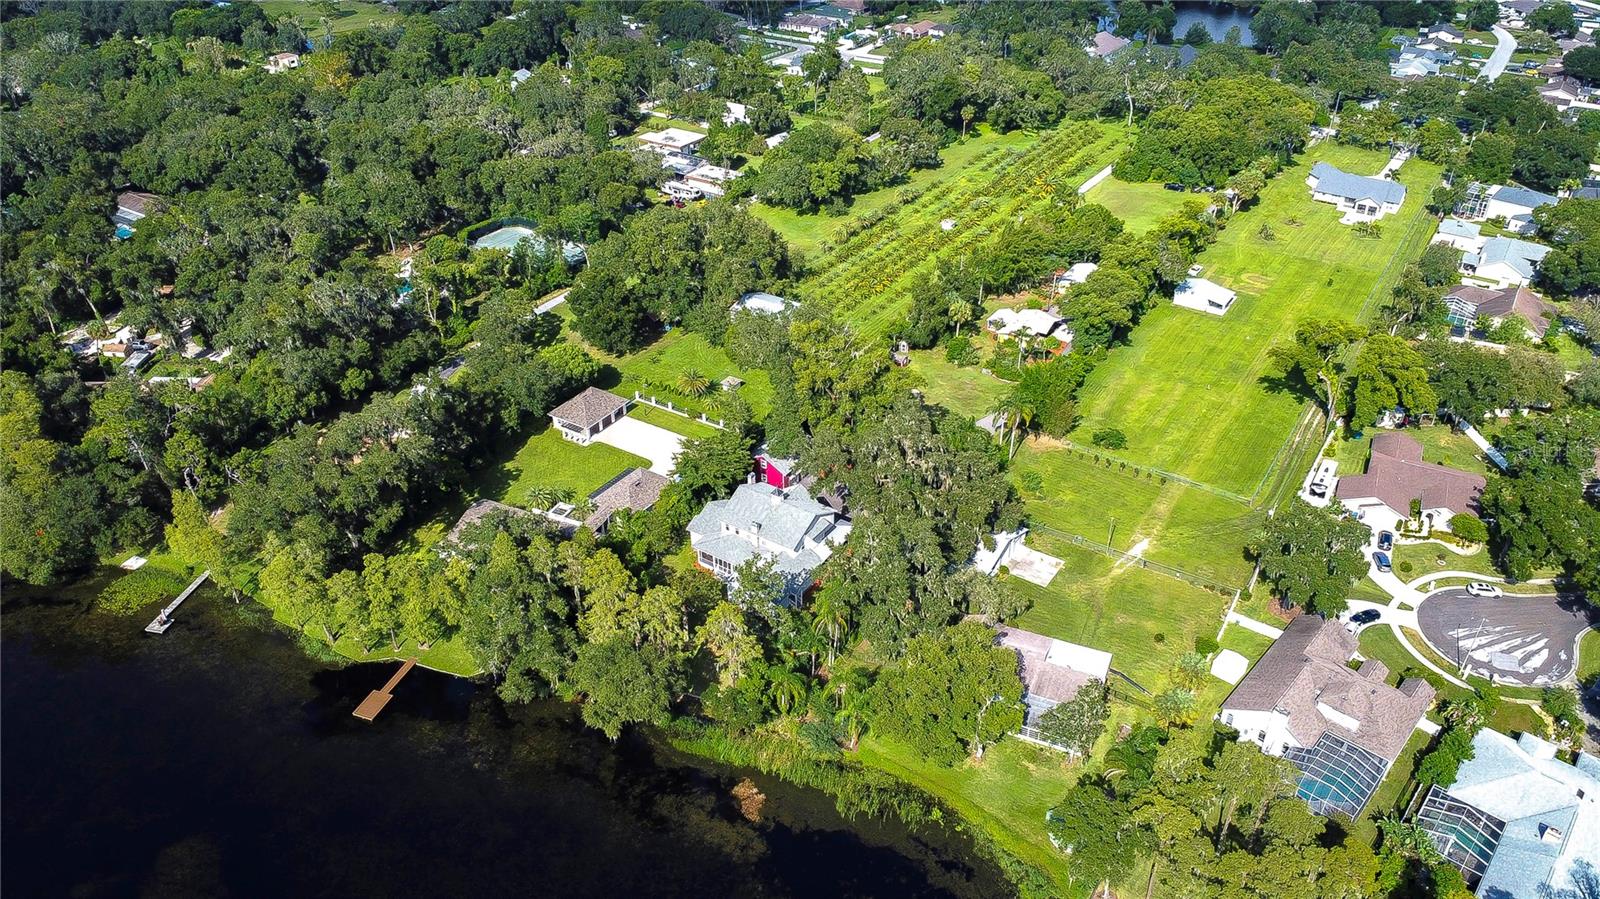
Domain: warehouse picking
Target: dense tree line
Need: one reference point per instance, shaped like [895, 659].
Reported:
[1216, 128]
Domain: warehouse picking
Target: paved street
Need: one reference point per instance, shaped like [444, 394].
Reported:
[1505, 46]
[1526, 640]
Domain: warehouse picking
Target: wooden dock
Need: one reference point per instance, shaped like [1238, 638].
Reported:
[164, 620]
[377, 699]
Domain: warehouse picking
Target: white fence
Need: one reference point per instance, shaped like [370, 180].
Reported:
[667, 406]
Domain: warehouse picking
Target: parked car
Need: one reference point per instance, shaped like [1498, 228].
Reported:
[1488, 591]
[1381, 559]
[1173, 185]
[1386, 540]
[1366, 616]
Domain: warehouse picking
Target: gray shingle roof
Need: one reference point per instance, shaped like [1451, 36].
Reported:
[759, 517]
[1306, 668]
[589, 407]
[1356, 187]
[1522, 256]
[1521, 196]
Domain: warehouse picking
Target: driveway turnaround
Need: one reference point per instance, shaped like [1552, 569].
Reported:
[642, 438]
[1522, 640]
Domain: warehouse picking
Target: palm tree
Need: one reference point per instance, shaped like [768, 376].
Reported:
[852, 716]
[546, 497]
[1016, 413]
[693, 383]
[830, 616]
[960, 313]
[786, 688]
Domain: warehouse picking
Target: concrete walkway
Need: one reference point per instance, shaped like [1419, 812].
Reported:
[1096, 178]
[1259, 627]
[1501, 57]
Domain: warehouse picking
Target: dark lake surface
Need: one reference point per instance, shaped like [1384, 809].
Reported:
[219, 760]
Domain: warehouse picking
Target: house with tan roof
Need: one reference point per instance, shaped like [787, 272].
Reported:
[634, 490]
[1052, 672]
[1396, 476]
[1342, 727]
[1472, 306]
[587, 414]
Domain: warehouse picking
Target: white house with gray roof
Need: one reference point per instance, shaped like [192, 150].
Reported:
[1362, 199]
[783, 525]
[1504, 261]
[587, 414]
[1518, 821]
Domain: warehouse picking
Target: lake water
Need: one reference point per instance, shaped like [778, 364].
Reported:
[218, 760]
[1217, 17]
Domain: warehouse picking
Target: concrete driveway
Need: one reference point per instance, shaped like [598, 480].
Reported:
[1516, 639]
[641, 438]
[1505, 46]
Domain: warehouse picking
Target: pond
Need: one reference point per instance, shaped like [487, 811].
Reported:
[220, 760]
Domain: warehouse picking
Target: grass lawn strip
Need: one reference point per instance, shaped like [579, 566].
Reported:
[677, 424]
[1006, 793]
[1139, 204]
[1145, 620]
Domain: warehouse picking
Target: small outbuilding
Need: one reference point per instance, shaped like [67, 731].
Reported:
[1203, 296]
[587, 414]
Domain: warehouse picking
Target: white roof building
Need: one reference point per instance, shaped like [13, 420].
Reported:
[1518, 821]
[1077, 274]
[1203, 296]
[764, 303]
[785, 526]
[671, 140]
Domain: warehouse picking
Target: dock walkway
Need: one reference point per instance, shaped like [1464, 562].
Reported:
[377, 699]
[164, 620]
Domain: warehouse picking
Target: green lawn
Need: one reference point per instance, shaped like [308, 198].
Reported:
[806, 232]
[965, 391]
[1006, 793]
[1379, 642]
[348, 15]
[1139, 205]
[1145, 620]
[1176, 524]
[1395, 789]
[1518, 718]
[1196, 393]
[656, 369]
[1589, 655]
[550, 460]
[677, 424]
[1425, 557]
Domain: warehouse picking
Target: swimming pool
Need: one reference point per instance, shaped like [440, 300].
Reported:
[124, 232]
[503, 238]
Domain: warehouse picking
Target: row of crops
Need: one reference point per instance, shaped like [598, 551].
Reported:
[866, 279]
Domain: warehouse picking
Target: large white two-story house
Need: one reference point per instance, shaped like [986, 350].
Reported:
[1342, 727]
[781, 524]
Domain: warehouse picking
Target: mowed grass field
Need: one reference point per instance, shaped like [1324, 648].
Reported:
[1144, 619]
[1195, 393]
[1171, 523]
[346, 15]
[1139, 205]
